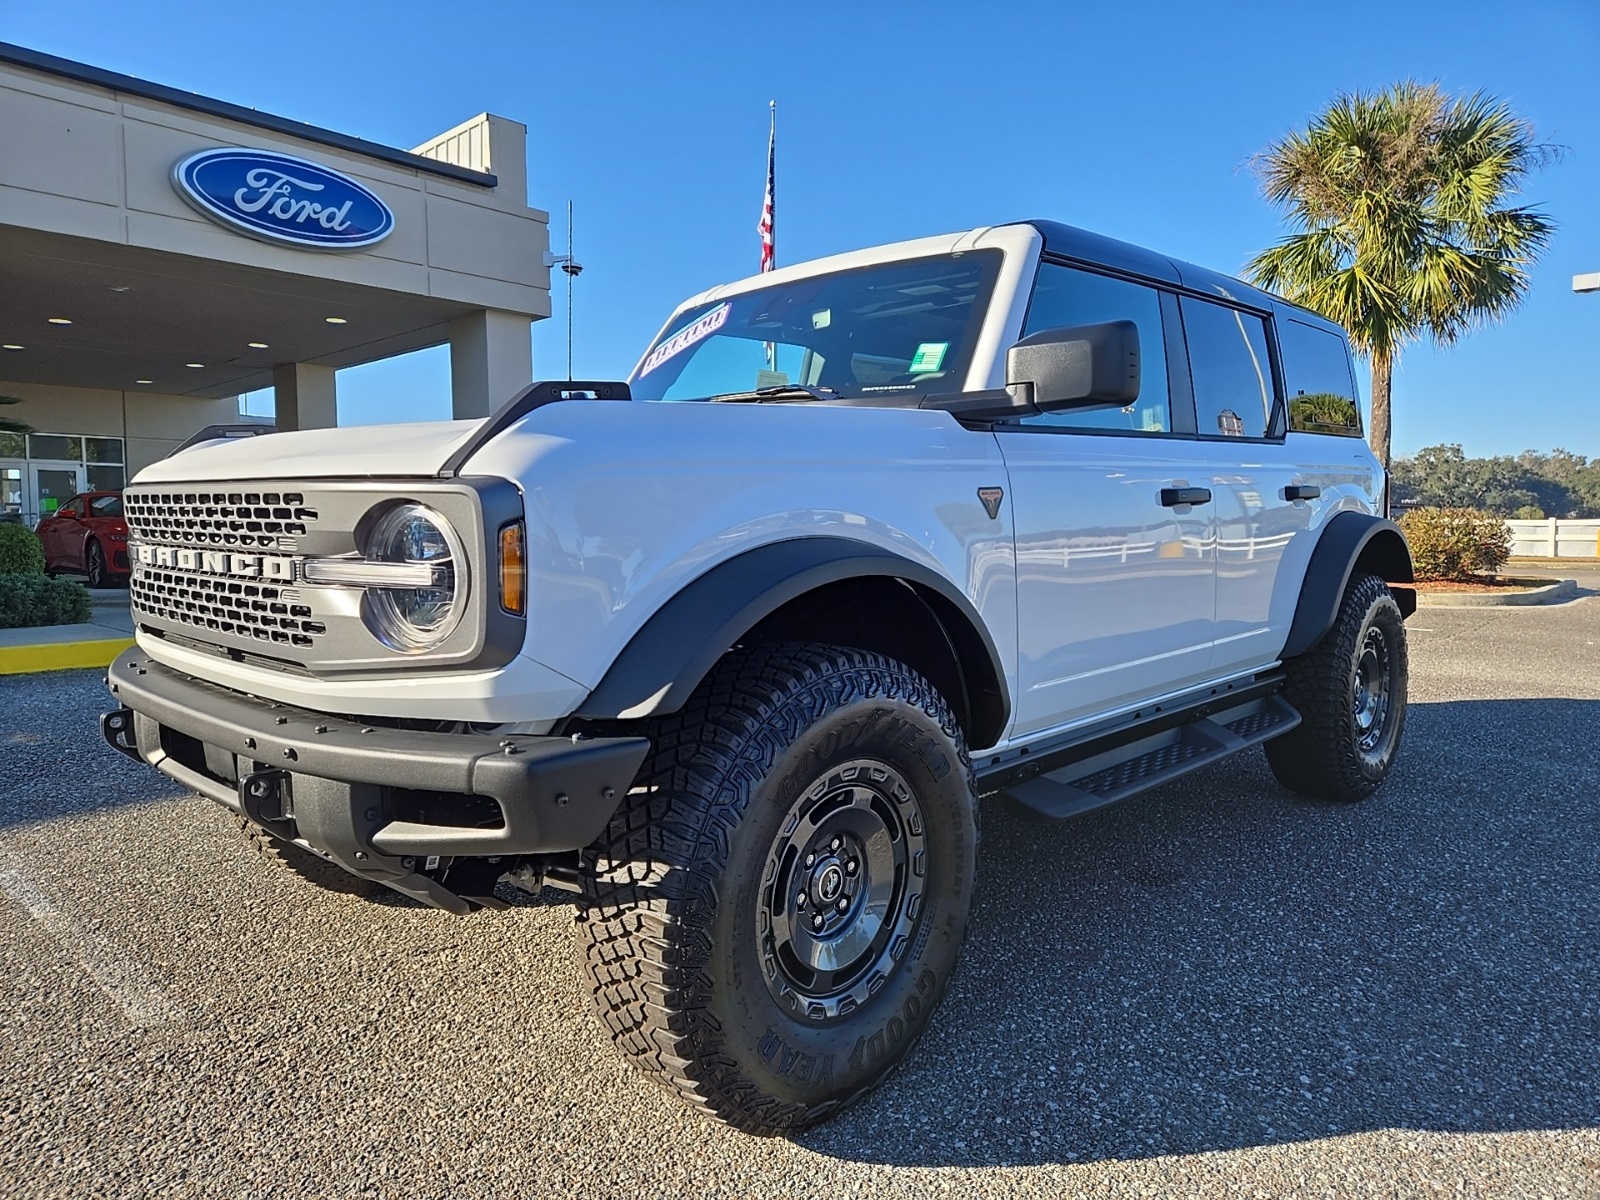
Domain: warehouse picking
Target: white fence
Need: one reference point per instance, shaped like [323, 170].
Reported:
[1555, 538]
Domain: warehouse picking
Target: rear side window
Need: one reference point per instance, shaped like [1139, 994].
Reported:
[1322, 386]
[1064, 296]
[1231, 368]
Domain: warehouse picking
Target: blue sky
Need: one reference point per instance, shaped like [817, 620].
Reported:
[1136, 119]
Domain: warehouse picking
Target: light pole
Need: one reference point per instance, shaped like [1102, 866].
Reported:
[573, 268]
[1586, 283]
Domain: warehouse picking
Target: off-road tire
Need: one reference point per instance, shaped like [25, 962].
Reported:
[1324, 757]
[287, 856]
[675, 927]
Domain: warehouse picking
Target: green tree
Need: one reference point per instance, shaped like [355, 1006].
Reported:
[1404, 226]
[1558, 484]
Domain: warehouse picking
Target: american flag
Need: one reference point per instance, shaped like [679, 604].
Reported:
[766, 225]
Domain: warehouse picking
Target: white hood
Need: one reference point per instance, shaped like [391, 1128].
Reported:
[413, 449]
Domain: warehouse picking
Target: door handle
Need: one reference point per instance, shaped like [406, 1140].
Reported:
[1171, 497]
[1301, 491]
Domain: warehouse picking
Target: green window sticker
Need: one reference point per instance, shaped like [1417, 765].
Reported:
[929, 357]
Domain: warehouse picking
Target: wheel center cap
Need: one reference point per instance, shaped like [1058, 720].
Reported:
[830, 882]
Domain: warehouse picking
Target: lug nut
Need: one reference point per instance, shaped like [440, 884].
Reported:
[835, 844]
[843, 904]
[816, 921]
[800, 900]
[851, 867]
[810, 859]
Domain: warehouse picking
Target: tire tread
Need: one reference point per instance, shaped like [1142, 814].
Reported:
[642, 924]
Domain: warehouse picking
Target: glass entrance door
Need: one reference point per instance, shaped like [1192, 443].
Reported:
[11, 497]
[53, 485]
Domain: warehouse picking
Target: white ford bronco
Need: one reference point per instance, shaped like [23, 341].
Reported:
[731, 650]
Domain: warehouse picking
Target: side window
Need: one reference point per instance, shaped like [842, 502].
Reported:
[1065, 296]
[73, 506]
[106, 506]
[1320, 382]
[1231, 369]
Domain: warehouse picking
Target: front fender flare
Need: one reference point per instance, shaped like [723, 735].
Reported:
[677, 647]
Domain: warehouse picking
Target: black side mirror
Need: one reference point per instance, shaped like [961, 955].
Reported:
[1081, 366]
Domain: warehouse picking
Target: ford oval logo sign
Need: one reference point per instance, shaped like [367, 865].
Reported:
[282, 199]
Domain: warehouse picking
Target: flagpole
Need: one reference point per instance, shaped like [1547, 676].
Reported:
[769, 215]
[772, 174]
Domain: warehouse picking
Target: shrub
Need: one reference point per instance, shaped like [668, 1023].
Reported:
[1456, 543]
[29, 600]
[20, 551]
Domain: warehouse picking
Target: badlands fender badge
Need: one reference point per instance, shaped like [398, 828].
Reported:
[991, 497]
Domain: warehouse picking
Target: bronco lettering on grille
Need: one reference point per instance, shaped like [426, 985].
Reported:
[220, 562]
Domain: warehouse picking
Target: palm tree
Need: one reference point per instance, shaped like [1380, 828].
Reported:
[1405, 229]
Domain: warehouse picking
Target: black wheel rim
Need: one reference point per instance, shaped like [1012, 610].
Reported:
[842, 890]
[97, 563]
[1370, 702]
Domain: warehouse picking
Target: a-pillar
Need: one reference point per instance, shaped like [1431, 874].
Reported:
[305, 396]
[491, 359]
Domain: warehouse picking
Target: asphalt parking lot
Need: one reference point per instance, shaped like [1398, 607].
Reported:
[1214, 989]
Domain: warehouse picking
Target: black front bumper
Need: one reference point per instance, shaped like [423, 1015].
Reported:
[353, 792]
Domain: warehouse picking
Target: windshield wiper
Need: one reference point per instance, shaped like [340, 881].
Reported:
[784, 391]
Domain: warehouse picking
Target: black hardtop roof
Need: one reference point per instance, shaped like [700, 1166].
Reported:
[1082, 245]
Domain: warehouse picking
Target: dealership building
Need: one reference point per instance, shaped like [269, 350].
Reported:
[162, 253]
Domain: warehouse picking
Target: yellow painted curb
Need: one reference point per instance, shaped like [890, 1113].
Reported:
[60, 656]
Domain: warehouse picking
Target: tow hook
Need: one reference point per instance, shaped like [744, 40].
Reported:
[116, 727]
[265, 798]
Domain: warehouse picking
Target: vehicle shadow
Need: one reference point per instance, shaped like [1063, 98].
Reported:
[1219, 965]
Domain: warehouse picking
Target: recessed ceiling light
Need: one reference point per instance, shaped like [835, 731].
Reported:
[196, 365]
[60, 320]
[120, 287]
[144, 380]
[12, 346]
[256, 345]
[336, 320]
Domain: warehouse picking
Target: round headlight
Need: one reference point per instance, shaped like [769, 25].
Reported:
[416, 618]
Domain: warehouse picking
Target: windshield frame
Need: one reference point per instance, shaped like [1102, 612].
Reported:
[993, 267]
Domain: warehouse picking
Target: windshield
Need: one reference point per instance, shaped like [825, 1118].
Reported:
[894, 327]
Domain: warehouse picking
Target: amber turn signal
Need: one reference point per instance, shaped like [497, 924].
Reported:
[513, 571]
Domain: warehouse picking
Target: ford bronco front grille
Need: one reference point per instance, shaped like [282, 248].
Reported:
[253, 520]
[269, 571]
[203, 564]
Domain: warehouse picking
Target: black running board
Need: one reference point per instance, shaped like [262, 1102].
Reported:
[1151, 761]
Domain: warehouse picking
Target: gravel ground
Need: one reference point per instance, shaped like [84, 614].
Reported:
[1212, 990]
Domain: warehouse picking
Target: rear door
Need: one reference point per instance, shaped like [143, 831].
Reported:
[1239, 419]
[1115, 591]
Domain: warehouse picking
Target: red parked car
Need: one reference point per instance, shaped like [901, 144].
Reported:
[87, 536]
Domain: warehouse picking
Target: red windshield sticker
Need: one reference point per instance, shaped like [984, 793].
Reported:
[696, 330]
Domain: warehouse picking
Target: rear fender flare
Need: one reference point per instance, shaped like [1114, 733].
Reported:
[1349, 540]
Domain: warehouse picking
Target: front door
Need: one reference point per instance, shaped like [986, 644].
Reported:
[53, 485]
[1116, 590]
